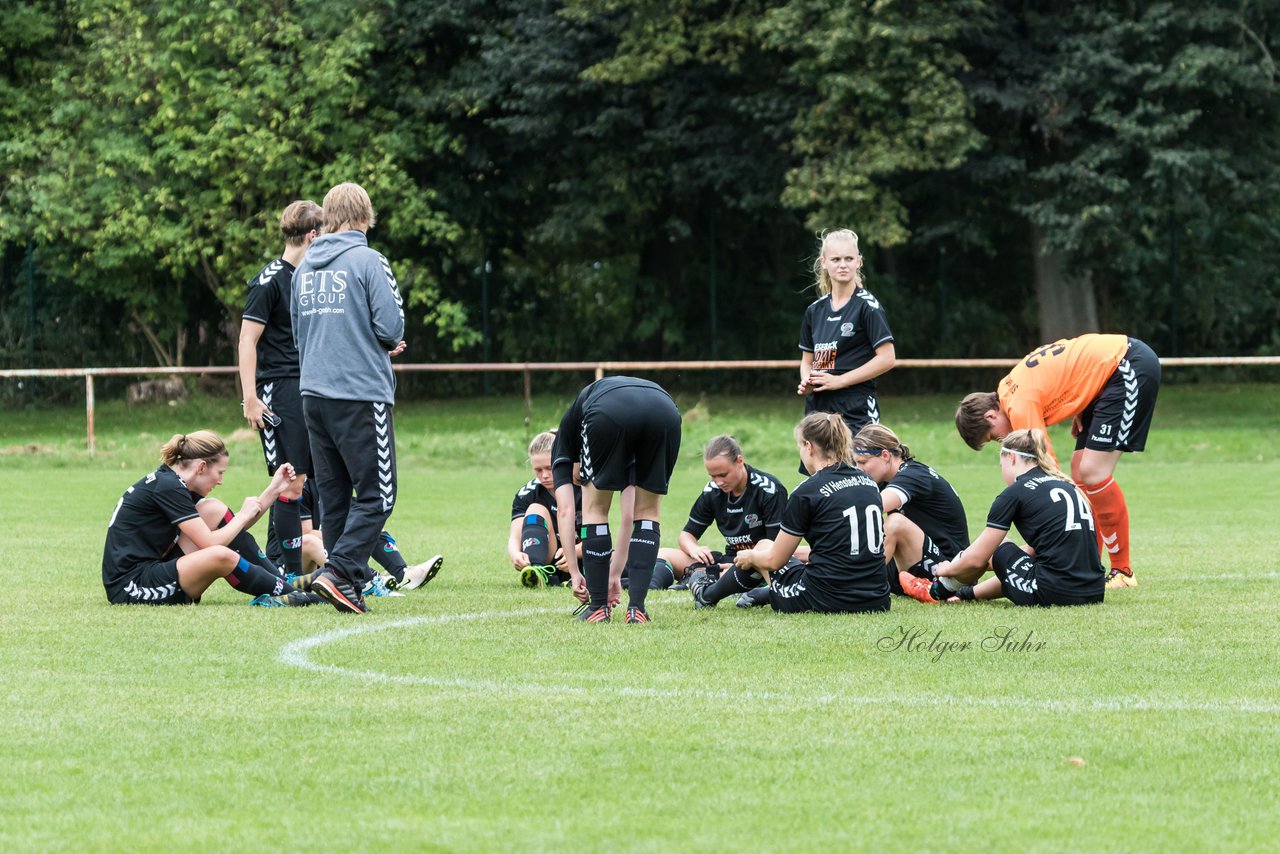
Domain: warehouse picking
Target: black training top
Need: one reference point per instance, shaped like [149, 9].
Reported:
[267, 303]
[1055, 520]
[743, 521]
[838, 511]
[567, 449]
[932, 503]
[144, 525]
[841, 341]
[535, 493]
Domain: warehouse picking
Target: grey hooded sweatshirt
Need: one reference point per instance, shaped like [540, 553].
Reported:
[347, 313]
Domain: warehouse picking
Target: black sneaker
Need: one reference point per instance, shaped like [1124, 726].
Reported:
[754, 598]
[339, 593]
[698, 584]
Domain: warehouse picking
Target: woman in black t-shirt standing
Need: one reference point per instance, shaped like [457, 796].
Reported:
[1059, 565]
[838, 511]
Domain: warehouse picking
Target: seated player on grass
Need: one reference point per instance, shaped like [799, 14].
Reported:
[924, 520]
[1059, 565]
[159, 551]
[399, 574]
[533, 545]
[746, 506]
[838, 511]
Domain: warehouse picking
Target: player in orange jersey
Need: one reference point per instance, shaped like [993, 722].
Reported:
[1107, 385]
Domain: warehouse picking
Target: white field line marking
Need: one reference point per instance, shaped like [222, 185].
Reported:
[296, 654]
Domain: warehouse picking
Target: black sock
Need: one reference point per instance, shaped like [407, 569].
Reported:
[287, 522]
[534, 541]
[731, 583]
[246, 546]
[966, 593]
[641, 555]
[387, 554]
[597, 548]
[253, 580]
[891, 573]
[664, 575]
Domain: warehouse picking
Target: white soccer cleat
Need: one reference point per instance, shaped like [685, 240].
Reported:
[419, 574]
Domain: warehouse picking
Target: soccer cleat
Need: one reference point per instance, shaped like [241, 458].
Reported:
[598, 614]
[419, 574]
[533, 576]
[380, 585]
[1121, 578]
[917, 588]
[754, 598]
[300, 581]
[339, 593]
[637, 615]
[292, 599]
[698, 584]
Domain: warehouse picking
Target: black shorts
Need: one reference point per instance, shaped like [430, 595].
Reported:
[1118, 419]
[788, 594]
[1019, 575]
[286, 442]
[856, 411]
[931, 557]
[631, 439]
[151, 583]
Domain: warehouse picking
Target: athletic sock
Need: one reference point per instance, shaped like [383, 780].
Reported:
[597, 548]
[246, 546]
[965, 593]
[643, 552]
[287, 521]
[731, 583]
[1112, 517]
[387, 554]
[664, 575]
[251, 579]
[534, 541]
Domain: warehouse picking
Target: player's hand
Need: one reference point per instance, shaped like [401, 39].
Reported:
[1076, 426]
[399, 348]
[521, 561]
[578, 585]
[561, 562]
[744, 559]
[252, 507]
[943, 569]
[253, 411]
[577, 474]
[701, 555]
[823, 381]
[615, 591]
[805, 386]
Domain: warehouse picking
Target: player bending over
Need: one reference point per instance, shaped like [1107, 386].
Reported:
[924, 519]
[625, 433]
[1059, 565]
[838, 511]
[1107, 385]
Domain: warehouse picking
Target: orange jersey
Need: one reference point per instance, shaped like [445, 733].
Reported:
[1059, 380]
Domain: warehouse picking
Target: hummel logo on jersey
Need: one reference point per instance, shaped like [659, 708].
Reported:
[764, 484]
[269, 272]
[868, 298]
[837, 317]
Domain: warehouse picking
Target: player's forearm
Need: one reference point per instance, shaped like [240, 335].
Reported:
[248, 351]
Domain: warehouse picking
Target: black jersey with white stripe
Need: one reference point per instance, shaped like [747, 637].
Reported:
[843, 339]
[932, 503]
[838, 511]
[267, 302]
[144, 525]
[535, 493]
[744, 520]
[1055, 520]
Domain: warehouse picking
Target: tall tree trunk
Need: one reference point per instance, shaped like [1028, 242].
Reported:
[1067, 305]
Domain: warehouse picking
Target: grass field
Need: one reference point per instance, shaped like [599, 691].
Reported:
[475, 715]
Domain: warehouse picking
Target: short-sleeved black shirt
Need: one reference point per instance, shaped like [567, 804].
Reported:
[743, 521]
[932, 503]
[145, 523]
[841, 341]
[267, 303]
[838, 511]
[1057, 522]
[535, 493]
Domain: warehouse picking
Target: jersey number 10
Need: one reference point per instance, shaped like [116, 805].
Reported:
[874, 530]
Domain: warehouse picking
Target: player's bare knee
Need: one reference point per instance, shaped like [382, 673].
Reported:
[213, 512]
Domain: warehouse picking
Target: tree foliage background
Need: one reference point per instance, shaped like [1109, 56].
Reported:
[583, 179]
